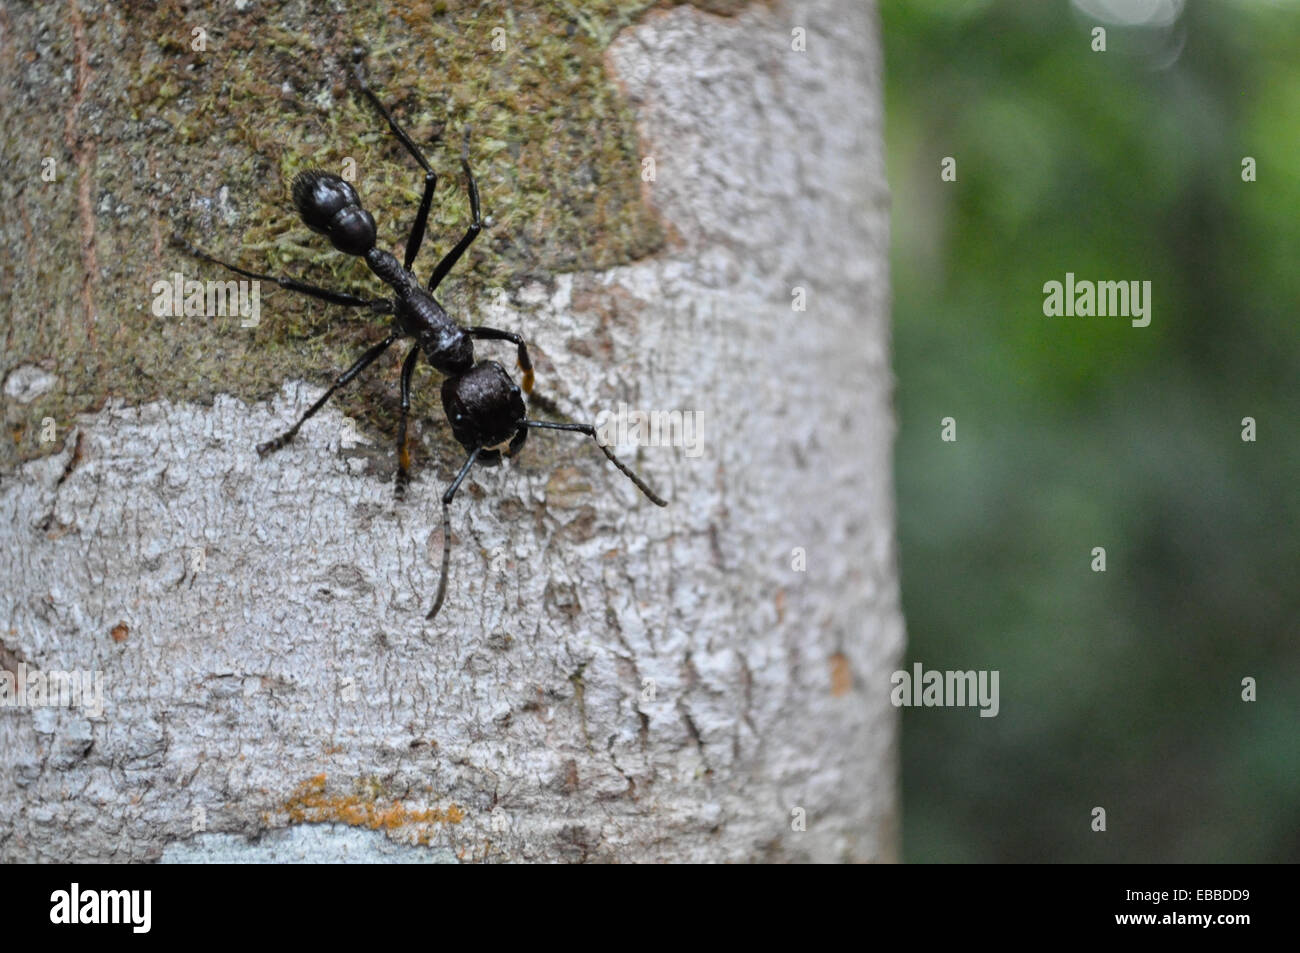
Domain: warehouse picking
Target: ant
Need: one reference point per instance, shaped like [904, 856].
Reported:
[481, 401]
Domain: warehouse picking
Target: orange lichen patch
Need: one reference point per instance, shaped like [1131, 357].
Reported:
[310, 804]
[120, 632]
[841, 675]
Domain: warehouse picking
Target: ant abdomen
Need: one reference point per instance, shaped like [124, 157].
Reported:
[331, 207]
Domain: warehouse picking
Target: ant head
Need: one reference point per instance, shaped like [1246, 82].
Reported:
[331, 207]
[485, 407]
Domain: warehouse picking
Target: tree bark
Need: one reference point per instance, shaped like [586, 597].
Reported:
[608, 681]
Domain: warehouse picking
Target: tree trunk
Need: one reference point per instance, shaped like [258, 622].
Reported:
[686, 212]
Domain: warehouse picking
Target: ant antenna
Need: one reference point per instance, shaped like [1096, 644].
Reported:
[446, 530]
[447, 497]
[591, 432]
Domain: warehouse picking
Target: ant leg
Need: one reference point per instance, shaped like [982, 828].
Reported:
[403, 450]
[362, 363]
[453, 256]
[525, 365]
[416, 238]
[446, 530]
[591, 432]
[378, 305]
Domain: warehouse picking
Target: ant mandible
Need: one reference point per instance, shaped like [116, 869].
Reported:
[482, 403]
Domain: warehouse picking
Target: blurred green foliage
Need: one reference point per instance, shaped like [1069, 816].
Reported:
[1119, 689]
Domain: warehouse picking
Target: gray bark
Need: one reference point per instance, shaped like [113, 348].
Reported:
[608, 680]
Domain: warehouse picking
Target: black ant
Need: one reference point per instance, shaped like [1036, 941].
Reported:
[481, 401]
